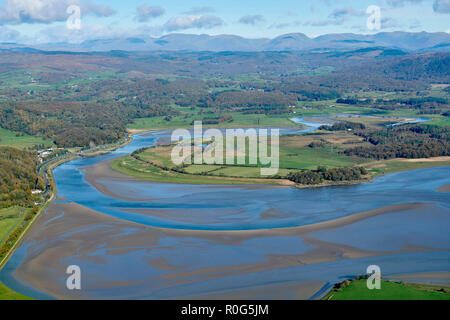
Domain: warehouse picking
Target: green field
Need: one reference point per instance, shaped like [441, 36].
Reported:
[303, 109]
[9, 218]
[297, 152]
[391, 166]
[239, 120]
[138, 169]
[8, 294]
[357, 290]
[22, 140]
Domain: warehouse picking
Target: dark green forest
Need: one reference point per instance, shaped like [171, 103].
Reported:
[89, 98]
[18, 178]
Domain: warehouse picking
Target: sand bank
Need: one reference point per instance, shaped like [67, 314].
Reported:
[433, 159]
[445, 188]
[70, 231]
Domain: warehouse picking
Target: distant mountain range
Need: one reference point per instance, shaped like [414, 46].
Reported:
[408, 41]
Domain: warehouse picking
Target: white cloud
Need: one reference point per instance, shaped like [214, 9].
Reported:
[9, 35]
[389, 23]
[401, 3]
[55, 34]
[251, 19]
[415, 24]
[144, 13]
[188, 22]
[342, 13]
[199, 10]
[441, 6]
[47, 11]
[337, 17]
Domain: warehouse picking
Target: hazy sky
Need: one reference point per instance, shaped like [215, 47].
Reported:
[31, 21]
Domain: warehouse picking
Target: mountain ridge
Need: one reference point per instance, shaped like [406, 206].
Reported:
[409, 41]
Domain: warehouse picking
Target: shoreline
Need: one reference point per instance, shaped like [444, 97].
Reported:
[175, 177]
[48, 170]
[322, 252]
[281, 182]
[109, 228]
[102, 171]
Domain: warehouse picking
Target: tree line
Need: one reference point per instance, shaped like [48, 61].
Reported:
[322, 174]
[18, 177]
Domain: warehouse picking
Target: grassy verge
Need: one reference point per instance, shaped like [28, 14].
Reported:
[297, 152]
[390, 290]
[139, 169]
[10, 218]
[21, 140]
[239, 120]
[397, 165]
[14, 222]
[8, 294]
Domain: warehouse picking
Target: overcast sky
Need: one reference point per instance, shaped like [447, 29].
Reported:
[35, 21]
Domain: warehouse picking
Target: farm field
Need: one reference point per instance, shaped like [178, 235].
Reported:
[8, 294]
[21, 140]
[9, 218]
[390, 290]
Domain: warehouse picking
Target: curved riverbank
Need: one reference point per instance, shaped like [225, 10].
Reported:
[142, 240]
[102, 246]
[154, 164]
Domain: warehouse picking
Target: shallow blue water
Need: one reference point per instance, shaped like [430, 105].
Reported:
[240, 208]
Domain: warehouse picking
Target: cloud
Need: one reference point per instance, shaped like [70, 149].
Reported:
[415, 24]
[342, 13]
[56, 34]
[47, 11]
[389, 23]
[188, 22]
[402, 3]
[89, 7]
[441, 6]
[337, 17]
[200, 10]
[251, 19]
[144, 13]
[326, 22]
[279, 25]
[9, 35]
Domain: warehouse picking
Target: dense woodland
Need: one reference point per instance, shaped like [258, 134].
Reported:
[89, 98]
[18, 178]
[408, 141]
[322, 174]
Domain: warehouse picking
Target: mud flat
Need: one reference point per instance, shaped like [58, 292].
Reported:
[123, 259]
[438, 278]
[445, 188]
[142, 240]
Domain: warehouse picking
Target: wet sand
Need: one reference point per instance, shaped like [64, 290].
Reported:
[70, 232]
[99, 174]
[103, 171]
[294, 290]
[433, 159]
[445, 188]
[427, 278]
[443, 275]
[122, 259]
